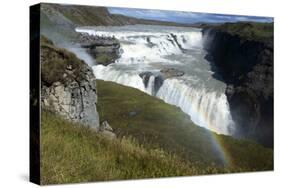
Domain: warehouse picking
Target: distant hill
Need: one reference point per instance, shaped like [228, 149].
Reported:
[96, 16]
[58, 22]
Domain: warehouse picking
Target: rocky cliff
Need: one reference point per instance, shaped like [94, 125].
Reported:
[242, 54]
[68, 85]
[105, 50]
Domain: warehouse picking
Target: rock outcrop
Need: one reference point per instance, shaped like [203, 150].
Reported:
[171, 72]
[105, 50]
[158, 80]
[243, 56]
[68, 85]
[159, 77]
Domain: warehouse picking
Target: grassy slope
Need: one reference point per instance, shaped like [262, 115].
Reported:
[166, 126]
[73, 153]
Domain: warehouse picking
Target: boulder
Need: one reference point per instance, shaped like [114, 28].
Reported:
[108, 134]
[105, 126]
[106, 130]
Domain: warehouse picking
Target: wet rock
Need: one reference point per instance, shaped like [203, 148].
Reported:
[145, 77]
[229, 90]
[171, 72]
[158, 80]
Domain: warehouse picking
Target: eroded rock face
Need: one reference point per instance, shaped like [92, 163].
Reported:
[145, 77]
[68, 85]
[158, 80]
[247, 68]
[76, 101]
[159, 77]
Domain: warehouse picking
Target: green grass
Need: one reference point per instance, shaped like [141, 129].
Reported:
[74, 153]
[158, 141]
[55, 61]
[252, 31]
[157, 124]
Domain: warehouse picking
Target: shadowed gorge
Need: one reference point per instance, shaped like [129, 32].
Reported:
[244, 55]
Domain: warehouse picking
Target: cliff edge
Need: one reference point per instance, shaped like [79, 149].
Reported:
[243, 55]
[68, 85]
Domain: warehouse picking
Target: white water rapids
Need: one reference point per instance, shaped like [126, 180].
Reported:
[153, 48]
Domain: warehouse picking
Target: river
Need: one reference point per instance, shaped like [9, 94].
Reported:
[149, 49]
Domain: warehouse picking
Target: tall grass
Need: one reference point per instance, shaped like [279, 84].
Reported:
[74, 153]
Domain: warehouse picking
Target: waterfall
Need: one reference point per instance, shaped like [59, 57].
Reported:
[150, 85]
[207, 109]
[108, 73]
[146, 47]
[145, 50]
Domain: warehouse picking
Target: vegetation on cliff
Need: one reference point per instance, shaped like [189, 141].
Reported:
[67, 84]
[55, 63]
[248, 31]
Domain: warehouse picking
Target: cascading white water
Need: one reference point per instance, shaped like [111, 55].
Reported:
[149, 49]
[150, 85]
[109, 74]
[208, 109]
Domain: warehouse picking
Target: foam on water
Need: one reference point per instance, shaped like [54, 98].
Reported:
[150, 49]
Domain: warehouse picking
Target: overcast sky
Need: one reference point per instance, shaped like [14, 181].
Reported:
[185, 17]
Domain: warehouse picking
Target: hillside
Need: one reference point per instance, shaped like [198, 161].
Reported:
[96, 16]
[72, 153]
[157, 124]
[156, 145]
[58, 21]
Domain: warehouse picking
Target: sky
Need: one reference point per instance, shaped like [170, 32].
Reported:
[185, 17]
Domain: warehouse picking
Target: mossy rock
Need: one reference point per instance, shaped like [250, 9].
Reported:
[59, 65]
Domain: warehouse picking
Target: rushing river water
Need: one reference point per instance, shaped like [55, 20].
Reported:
[146, 48]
